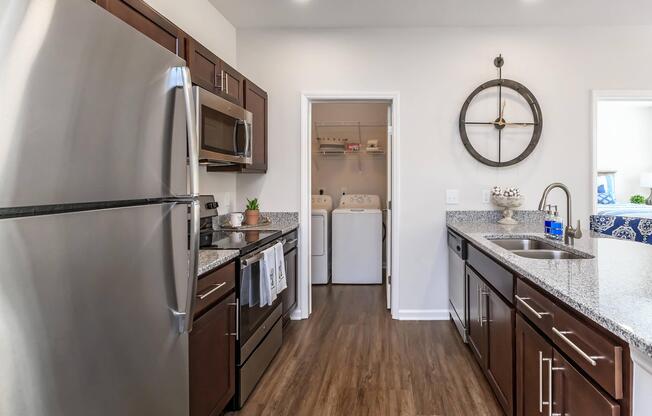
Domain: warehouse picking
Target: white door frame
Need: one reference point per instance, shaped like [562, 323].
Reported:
[304, 293]
[607, 95]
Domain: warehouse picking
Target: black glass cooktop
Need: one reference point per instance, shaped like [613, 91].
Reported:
[245, 240]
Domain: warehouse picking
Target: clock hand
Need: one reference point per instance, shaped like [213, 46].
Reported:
[519, 124]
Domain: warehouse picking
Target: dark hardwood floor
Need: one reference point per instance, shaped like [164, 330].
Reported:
[351, 358]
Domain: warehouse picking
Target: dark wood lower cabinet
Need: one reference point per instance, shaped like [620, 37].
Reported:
[533, 359]
[476, 313]
[491, 329]
[544, 376]
[500, 349]
[212, 359]
[289, 295]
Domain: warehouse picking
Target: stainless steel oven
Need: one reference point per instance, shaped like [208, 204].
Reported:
[225, 130]
[260, 328]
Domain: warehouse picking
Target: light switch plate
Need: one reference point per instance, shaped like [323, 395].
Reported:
[486, 196]
[452, 196]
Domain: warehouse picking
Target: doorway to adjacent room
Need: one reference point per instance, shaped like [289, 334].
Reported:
[349, 193]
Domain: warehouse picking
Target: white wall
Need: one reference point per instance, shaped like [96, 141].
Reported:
[434, 70]
[358, 174]
[202, 21]
[624, 144]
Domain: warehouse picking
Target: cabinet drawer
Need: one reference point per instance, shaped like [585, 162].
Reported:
[591, 350]
[213, 286]
[598, 356]
[534, 305]
[576, 395]
[497, 276]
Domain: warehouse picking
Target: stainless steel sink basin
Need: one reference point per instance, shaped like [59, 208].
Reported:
[523, 244]
[547, 254]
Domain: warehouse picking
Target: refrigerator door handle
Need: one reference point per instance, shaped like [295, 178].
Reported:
[193, 168]
[192, 125]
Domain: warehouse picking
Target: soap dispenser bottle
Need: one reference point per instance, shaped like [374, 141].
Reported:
[557, 226]
[547, 221]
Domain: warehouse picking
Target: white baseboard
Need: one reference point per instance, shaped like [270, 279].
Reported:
[423, 315]
[296, 315]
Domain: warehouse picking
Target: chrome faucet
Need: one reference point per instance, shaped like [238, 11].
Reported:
[570, 233]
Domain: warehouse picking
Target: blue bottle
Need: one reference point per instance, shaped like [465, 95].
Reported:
[547, 222]
[556, 226]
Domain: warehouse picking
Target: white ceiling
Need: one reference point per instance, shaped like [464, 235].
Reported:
[416, 13]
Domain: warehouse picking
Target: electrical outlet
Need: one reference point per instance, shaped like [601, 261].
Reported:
[486, 196]
[452, 196]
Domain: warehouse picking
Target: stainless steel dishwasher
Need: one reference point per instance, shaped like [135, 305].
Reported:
[457, 301]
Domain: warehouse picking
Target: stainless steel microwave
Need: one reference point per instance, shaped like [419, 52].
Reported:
[225, 130]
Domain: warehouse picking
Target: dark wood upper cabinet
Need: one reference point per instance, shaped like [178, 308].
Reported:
[213, 74]
[204, 66]
[255, 100]
[146, 20]
[212, 359]
[232, 85]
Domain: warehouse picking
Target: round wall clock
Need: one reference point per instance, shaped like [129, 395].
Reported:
[496, 139]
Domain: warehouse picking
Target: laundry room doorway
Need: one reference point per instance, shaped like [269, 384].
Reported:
[348, 208]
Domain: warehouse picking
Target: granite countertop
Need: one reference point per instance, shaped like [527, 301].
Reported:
[281, 221]
[614, 289]
[212, 259]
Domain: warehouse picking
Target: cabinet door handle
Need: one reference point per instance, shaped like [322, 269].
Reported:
[221, 86]
[479, 307]
[530, 308]
[237, 318]
[549, 402]
[206, 294]
[483, 294]
[540, 381]
[226, 82]
[587, 357]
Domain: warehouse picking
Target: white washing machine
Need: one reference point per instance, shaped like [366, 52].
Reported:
[358, 240]
[322, 205]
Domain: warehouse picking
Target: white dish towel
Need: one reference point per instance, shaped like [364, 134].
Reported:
[280, 268]
[268, 278]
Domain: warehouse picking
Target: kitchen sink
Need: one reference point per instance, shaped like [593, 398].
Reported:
[536, 249]
[548, 254]
[512, 244]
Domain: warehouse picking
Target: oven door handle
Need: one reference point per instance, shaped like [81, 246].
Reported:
[258, 256]
[250, 261]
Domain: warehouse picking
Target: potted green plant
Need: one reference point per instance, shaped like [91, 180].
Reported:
[637, 199]
[252, 213]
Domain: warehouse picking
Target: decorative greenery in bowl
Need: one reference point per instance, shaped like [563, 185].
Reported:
[252, 214]
[637, 199]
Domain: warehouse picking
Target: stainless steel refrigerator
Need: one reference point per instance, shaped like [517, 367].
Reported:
[98, 177]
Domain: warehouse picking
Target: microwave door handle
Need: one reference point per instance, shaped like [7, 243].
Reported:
[235, 138]
[248, 138]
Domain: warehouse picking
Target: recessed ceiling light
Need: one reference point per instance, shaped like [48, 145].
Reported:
[301, 1]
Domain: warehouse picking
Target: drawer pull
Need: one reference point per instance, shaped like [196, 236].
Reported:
[587, 357]
[206, 294]
[530, 308]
